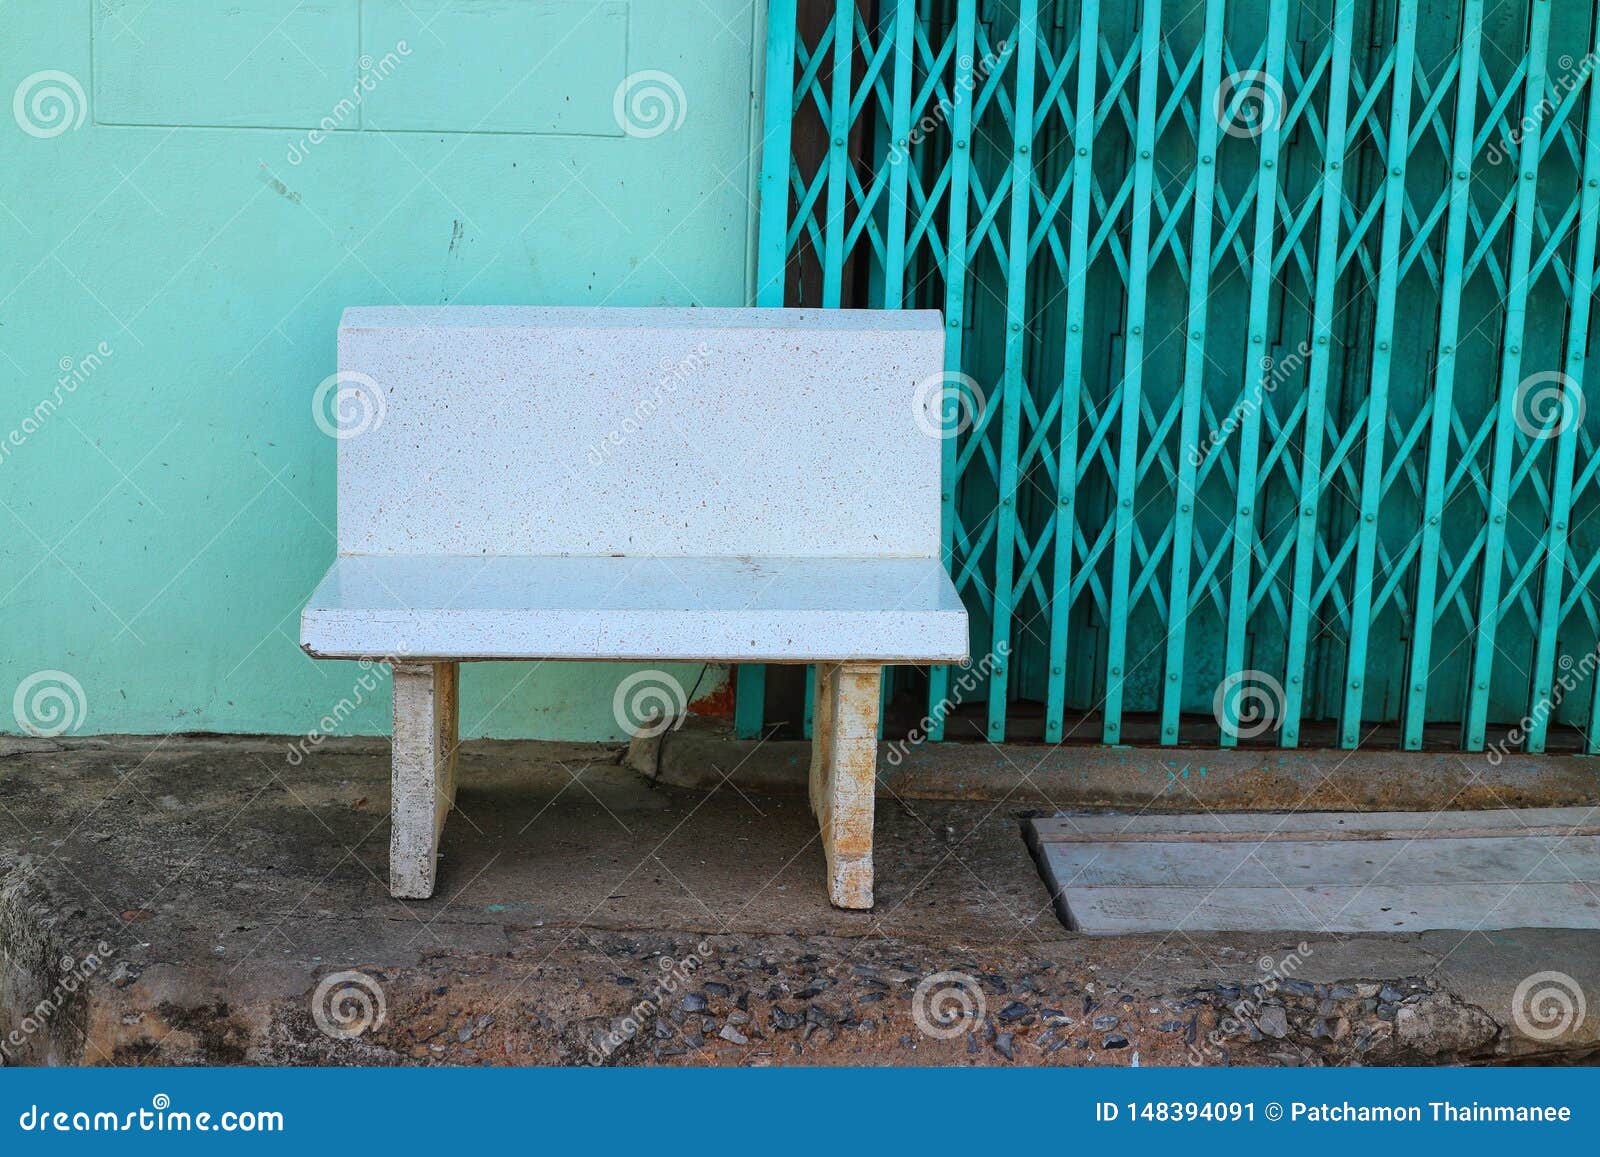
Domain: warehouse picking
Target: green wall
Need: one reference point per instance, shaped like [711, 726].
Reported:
[173, 268]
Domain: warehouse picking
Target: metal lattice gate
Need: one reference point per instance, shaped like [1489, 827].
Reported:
[1264, 410]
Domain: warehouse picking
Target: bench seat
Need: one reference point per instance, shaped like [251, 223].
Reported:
[785, 610]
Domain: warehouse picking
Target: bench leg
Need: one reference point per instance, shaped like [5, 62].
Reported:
[844, 758]
[424, 773]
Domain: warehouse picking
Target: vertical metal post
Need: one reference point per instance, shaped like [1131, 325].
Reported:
[1194, 368]
[1484, 654]
[1256, 370]
[838, 153]
[1129, 418]
[1330, 212]
[955, 290]
[1569, 415]
[1072, 365]
[1012, 385]
[1461, 154]
[1377, 433]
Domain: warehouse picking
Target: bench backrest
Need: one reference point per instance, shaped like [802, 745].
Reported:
[515, 431]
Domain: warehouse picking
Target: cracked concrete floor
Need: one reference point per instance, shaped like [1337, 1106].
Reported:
[217, 903]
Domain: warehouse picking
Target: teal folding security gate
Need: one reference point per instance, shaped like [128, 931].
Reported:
[1265, 407]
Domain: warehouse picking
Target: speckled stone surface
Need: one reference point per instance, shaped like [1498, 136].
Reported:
[733, 484]
[776, 609]
[512, 431]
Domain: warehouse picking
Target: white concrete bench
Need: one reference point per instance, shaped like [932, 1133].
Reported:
[720, 485]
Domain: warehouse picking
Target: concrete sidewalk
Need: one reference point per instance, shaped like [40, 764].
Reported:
[188, 901]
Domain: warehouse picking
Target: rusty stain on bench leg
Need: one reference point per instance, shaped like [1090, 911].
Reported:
[424, 773]
[844, 759]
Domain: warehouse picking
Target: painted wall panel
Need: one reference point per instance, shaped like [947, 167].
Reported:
[248, 62]
[510, 66]
[169, 299]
